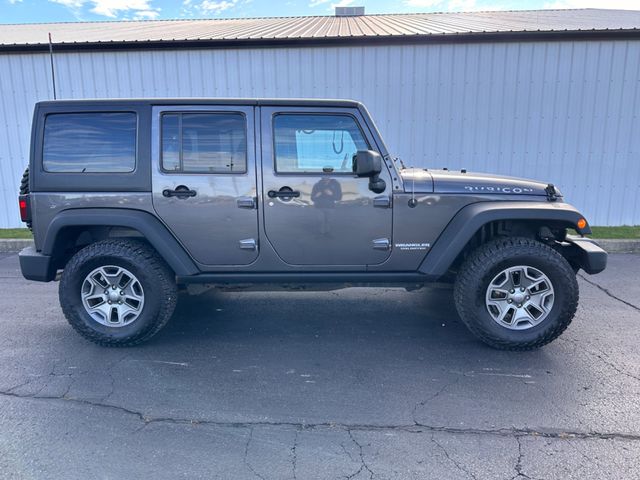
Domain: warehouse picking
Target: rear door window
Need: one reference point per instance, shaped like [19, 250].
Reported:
[91, 142]
[204, 143]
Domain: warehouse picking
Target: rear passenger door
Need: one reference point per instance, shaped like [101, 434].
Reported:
[204, 180]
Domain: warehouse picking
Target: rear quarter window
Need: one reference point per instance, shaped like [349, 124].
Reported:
[90, 142]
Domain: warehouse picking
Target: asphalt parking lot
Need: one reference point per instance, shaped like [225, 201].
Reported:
[354, 384]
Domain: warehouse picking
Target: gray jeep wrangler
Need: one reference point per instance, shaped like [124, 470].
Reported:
[133, 199]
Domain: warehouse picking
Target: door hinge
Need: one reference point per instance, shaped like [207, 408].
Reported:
[381, 244]
[383, 201]
[248, 244]
[246, 202]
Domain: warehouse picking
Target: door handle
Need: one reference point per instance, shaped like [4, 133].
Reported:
[181, 191]
[284, 193]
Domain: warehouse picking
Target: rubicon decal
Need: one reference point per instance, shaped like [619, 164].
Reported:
[491, 188]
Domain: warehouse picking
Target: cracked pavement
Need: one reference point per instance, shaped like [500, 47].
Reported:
[355, 384]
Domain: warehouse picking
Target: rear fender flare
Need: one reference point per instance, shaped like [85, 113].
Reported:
[149, 226]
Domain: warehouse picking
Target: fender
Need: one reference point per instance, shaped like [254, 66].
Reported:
[149, 226]
[471, 218]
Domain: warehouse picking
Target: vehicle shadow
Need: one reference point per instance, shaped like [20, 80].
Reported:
[359, 313]
[358, 321]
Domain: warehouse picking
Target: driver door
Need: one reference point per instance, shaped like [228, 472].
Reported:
[316, 212]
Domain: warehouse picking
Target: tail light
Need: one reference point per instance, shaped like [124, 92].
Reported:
[25, 208]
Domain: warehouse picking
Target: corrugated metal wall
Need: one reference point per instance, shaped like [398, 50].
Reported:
[564, 112]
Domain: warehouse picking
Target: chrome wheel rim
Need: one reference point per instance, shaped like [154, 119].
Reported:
[112, 296]
[520, 297]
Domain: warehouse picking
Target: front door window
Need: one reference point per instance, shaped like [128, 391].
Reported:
[316, 143]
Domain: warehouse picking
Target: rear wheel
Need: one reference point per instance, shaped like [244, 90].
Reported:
[117, 292]
[516, 293]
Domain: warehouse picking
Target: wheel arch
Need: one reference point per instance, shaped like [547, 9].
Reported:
[472, 219]
[84, 226]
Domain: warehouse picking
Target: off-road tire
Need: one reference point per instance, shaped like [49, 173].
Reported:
[481, 266]
[24, 189]
[156, 279]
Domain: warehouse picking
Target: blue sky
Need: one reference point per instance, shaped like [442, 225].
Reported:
[29, 11]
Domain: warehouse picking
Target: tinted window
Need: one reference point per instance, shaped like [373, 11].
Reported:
[204, 143]
[90, 142]
[316, 143]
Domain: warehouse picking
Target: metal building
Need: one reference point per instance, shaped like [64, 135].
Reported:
[552, 95]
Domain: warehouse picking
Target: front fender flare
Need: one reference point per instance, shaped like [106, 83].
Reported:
[149, 226]
[471, 218]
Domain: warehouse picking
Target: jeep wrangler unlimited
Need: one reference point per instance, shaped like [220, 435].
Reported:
[132, 199]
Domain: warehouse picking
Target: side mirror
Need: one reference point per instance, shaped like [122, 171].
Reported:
[367, 163]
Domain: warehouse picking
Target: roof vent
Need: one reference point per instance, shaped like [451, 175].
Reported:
[349, 11]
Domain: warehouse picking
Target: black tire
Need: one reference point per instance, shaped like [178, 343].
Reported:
[24, 189]
[154, 275]
[487, 261]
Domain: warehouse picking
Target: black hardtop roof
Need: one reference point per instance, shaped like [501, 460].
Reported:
[303, 102]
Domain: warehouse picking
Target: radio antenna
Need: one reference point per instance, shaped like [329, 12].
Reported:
[53, 71]
[413, 202]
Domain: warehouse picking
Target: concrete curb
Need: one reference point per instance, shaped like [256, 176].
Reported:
[14, 244]
[620, 245]
[610, 245]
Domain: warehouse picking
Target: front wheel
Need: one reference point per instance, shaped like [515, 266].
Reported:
[117, 292]
[516, 293]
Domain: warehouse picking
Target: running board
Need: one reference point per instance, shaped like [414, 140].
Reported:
[360, 278]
